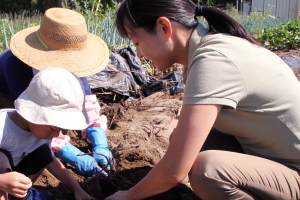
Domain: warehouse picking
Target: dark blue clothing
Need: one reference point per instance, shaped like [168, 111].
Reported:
[15, 76]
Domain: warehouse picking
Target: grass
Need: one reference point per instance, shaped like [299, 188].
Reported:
[12, 24]
[103, 26]
[255, 22]
[106, 29]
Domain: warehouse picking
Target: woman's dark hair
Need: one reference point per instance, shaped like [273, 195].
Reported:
[144, 14]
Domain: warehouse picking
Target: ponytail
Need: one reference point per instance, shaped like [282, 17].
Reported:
[220, 22]
[144, 14]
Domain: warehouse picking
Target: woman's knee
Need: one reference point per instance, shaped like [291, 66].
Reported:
[206, 173]
[205, 163]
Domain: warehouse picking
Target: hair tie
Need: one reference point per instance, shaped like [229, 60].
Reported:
[198, 11]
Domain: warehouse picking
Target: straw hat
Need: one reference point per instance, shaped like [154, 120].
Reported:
[61, 40]
[54, 97]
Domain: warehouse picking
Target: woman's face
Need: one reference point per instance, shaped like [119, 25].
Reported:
[154, 47]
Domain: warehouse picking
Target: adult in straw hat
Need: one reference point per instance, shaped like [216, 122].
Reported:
[61, 40]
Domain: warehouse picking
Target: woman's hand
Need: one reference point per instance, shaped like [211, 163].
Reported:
[82, 195]
[15, 183]
[119, 195]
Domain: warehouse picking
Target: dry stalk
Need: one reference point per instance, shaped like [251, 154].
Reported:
[156, 129]
[111, 122]
[160, 128]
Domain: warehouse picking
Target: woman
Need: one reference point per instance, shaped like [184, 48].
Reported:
[233, 85]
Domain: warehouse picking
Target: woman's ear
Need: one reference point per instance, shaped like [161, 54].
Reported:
[164, 24]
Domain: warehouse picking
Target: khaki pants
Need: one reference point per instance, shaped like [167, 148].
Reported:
[6, 101]
[222, 174]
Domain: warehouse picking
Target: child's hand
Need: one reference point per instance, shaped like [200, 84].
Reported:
[15, 184]
[82, 195]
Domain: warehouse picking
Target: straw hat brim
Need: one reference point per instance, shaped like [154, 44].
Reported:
[84, 62]
[41, 115]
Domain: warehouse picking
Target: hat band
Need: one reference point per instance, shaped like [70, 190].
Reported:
[53, 41]
[41, 41]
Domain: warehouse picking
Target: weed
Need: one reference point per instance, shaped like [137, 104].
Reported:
[284, 36]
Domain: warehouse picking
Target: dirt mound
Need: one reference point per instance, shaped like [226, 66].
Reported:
[138, 134]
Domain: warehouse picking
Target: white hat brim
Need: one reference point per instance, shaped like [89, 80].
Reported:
[37, 114]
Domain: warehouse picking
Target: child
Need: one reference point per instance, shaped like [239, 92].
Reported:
[61, 40]
[53, 102]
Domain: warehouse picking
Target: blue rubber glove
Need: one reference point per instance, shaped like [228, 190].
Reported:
[98, 139]
[85, 165]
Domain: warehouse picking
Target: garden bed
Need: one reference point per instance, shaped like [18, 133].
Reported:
[138, 134]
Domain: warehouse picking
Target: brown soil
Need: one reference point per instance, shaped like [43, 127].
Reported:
[138, 134]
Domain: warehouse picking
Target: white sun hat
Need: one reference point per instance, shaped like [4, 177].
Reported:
[54, 97]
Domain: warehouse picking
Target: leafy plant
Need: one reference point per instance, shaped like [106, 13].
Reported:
[285, 36]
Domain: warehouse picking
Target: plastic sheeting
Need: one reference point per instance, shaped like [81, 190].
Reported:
[170, 84]
[125, 75]
[293, 63]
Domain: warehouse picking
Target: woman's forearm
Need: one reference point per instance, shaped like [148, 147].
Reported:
[154, 183]
[193, 127]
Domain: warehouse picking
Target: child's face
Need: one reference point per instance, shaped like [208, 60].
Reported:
[44, 131]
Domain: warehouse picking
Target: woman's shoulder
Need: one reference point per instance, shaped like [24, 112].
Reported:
[233, 47]
[217, 39]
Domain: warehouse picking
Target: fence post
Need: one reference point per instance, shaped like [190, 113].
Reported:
[298, 13]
